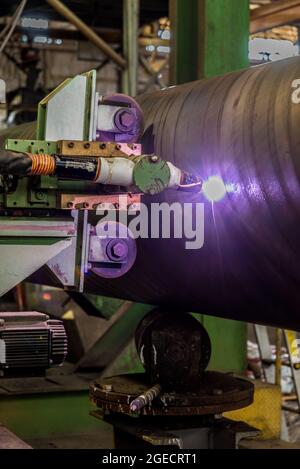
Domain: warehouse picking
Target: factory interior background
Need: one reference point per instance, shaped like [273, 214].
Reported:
[132, 306]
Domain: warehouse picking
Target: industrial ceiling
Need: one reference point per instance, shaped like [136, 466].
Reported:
[99, 13]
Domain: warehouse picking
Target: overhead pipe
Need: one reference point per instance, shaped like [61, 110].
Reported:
[88, 32]
[276, 14]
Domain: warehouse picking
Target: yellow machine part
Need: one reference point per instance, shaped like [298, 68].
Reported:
[265, 412]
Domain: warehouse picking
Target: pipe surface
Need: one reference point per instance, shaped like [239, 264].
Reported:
[245, 128]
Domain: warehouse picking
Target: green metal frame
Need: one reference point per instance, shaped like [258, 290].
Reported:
[184, 41]
[223, 36]
[43, 192]
[209, 38]
[42, 108]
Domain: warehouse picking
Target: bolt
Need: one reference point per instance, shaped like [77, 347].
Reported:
[134, 207]
[118, 147]
[106, 387]
[71, 144]
[154, 159]
[86, 205]
[126, 118]
[102, 146]
[119, 250]
[70, 204]
[86, 145]
[39, 195]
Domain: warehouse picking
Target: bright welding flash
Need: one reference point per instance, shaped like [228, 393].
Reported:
[214, 189]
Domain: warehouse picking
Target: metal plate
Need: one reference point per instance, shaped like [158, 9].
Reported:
[31, 146]
[151, 177]
[217, 393]
[92, 202]
[105, 150]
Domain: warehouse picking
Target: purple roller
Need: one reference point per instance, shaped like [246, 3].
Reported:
[128, 121]
[112, 250]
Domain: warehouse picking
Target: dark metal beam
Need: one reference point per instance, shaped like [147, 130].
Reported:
[85, 304]
[88, 32]
[277, 14]
[109, 346]
[131, 15]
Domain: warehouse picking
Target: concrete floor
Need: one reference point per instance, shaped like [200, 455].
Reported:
[102, 439]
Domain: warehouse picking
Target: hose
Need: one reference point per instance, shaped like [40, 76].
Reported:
[16, 164]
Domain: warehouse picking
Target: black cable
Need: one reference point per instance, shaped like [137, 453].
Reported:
[16, 164]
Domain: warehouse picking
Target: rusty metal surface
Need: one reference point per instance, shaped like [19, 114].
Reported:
[103, 149]
[92, 202]
[217, 393]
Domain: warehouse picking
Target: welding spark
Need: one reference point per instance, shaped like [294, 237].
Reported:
[214, 189]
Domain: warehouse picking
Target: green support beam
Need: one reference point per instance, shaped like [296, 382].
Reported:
[184, 41]
[210, 38]
[229, 344]
[131, 15]
[114, 342]
[223, 36]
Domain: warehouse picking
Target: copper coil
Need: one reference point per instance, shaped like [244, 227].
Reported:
[98, 169]
[42, 164]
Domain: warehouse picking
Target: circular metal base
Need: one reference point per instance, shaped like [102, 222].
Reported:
[217, 393]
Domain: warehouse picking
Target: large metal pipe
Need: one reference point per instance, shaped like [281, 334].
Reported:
[245, 128]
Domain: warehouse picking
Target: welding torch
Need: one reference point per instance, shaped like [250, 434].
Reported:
[148, 173]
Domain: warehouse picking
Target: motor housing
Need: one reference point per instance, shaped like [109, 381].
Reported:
[30, 340]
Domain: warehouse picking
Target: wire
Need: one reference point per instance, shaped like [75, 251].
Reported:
[9, 23]
[7, 26]
[13, 24]
[194, 187]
